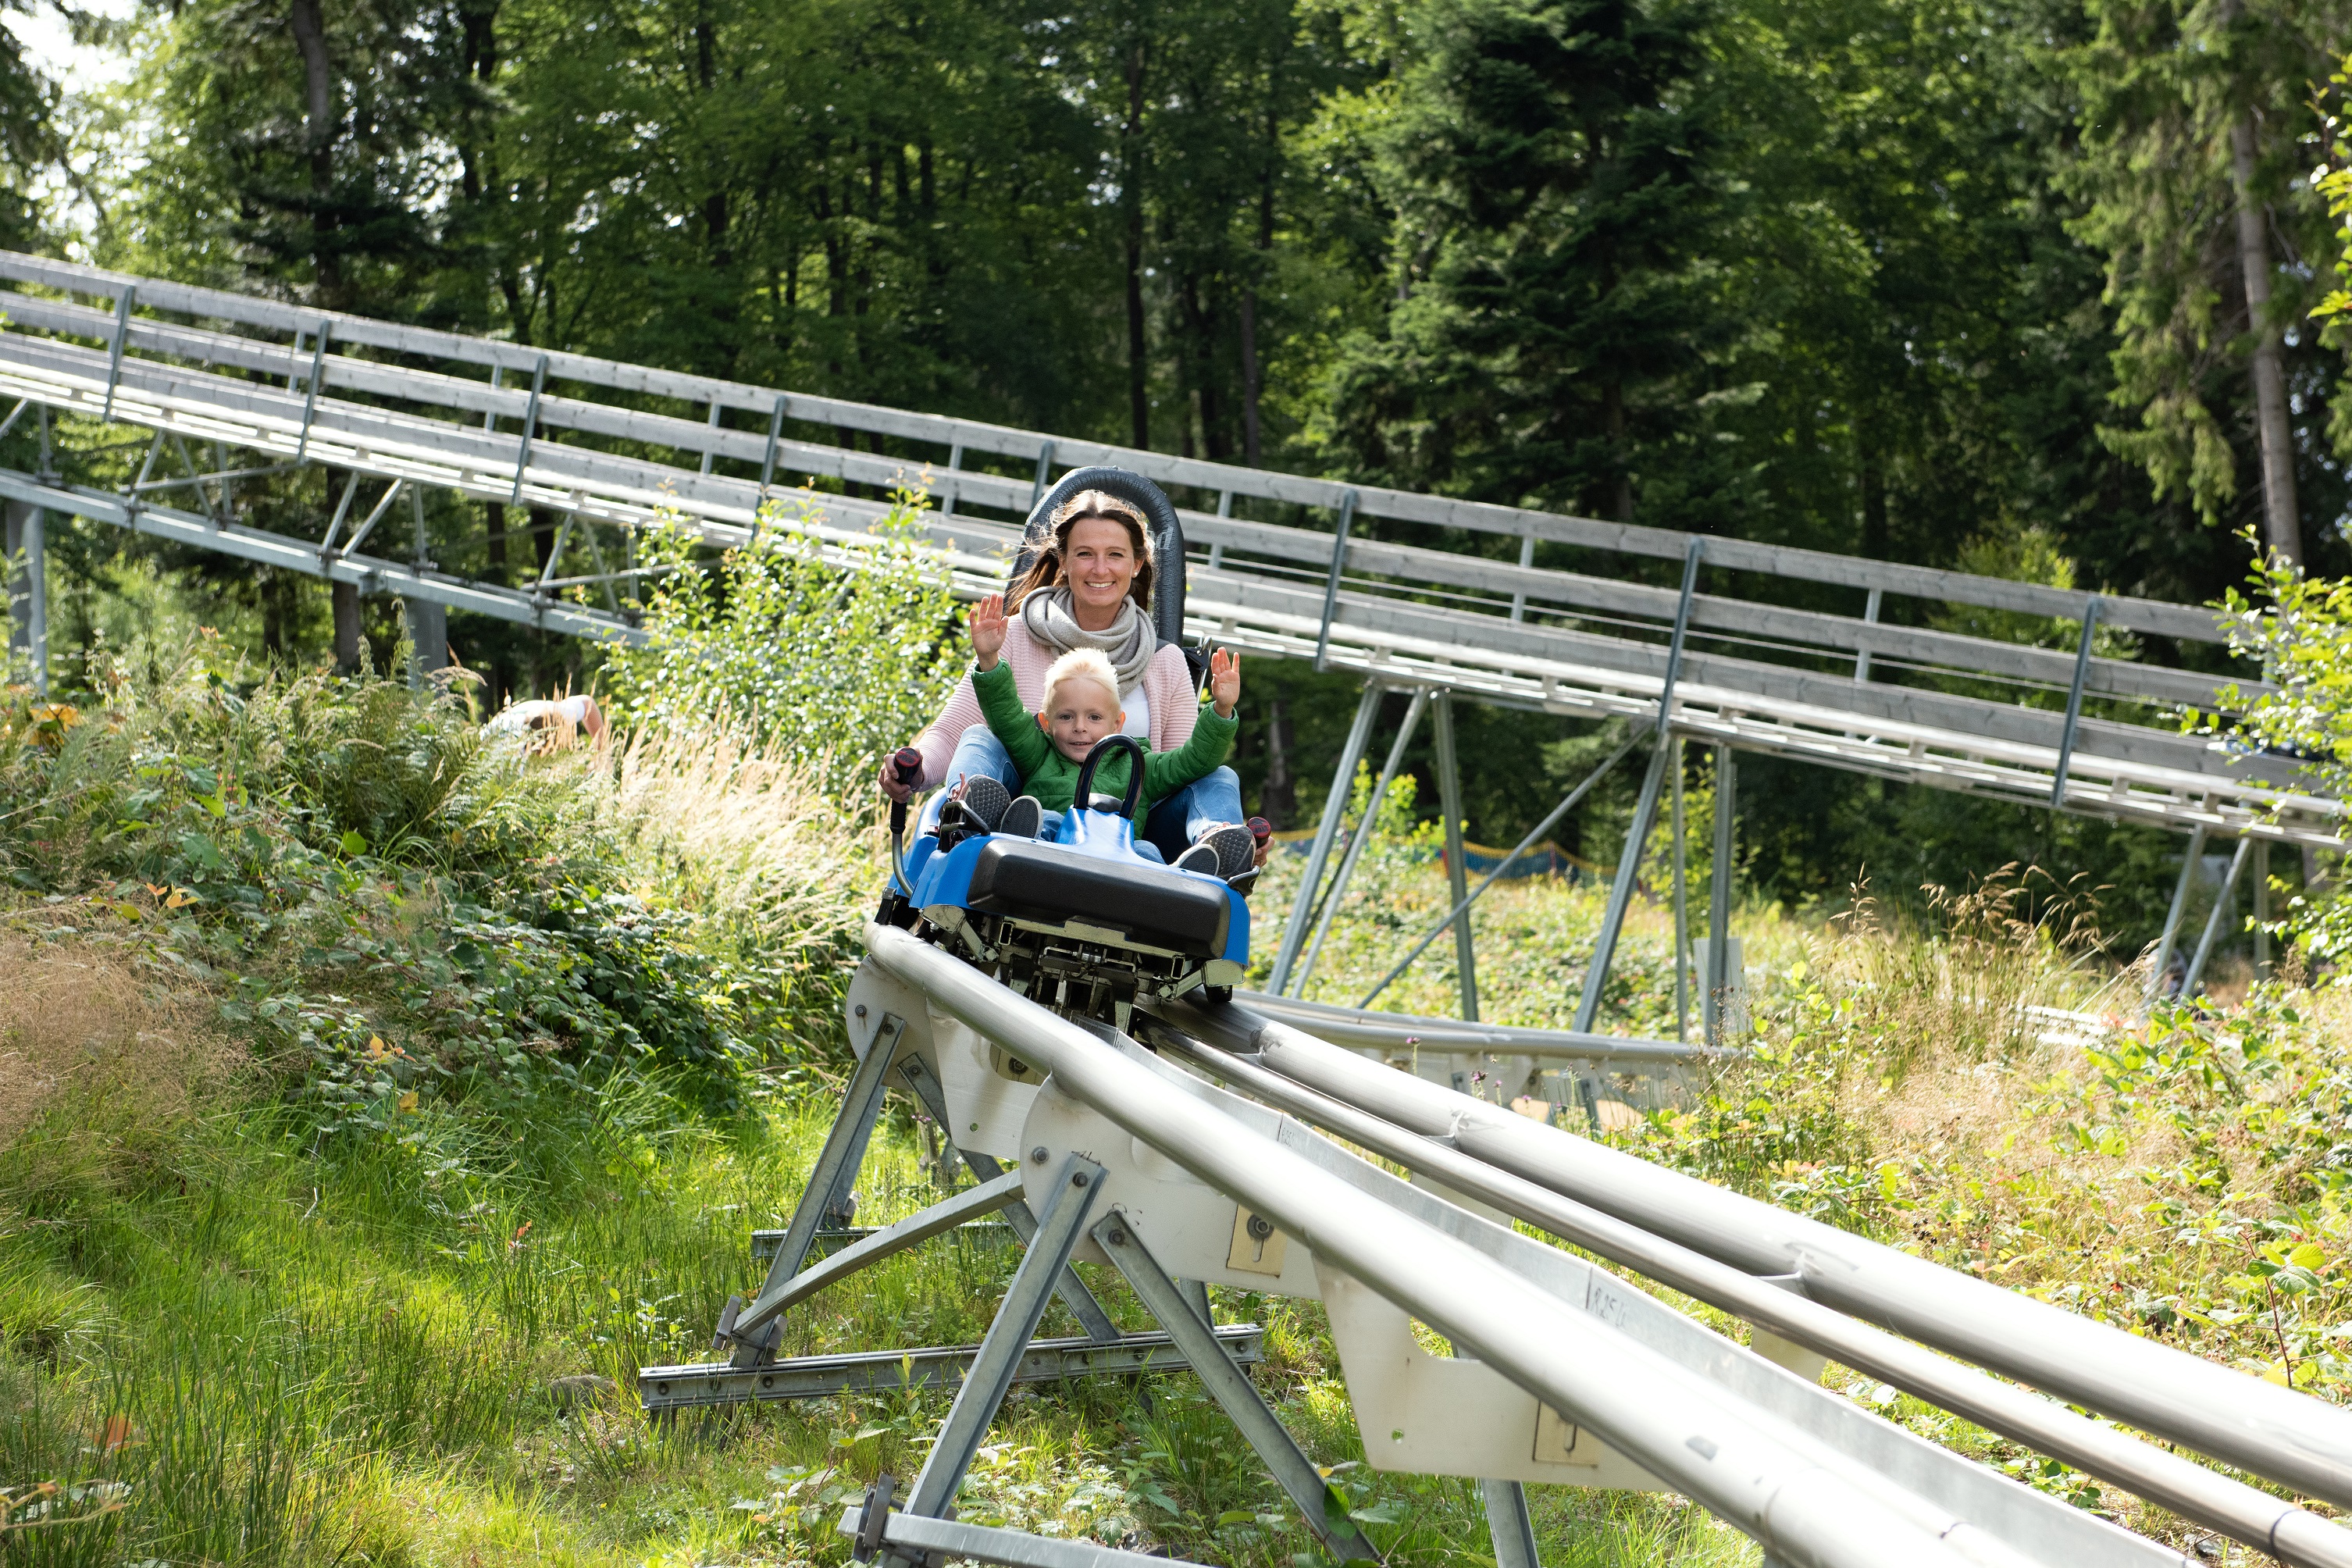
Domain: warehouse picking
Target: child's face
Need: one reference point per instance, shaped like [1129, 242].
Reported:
[1082, 713]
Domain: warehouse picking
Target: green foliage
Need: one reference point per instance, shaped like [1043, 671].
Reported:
[2300, 627]
[1548, 166]
[396, 911]
[2165, 87]
[829, 650]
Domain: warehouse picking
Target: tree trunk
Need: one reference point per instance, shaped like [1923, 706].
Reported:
[1251, 377]
[319, 138]
[1277, 800]
[1612, 419]
[1139, 400]
[497, 511]
[2282, 521]
[347, 628]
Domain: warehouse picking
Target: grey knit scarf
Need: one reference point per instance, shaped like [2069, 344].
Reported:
[1129, 644]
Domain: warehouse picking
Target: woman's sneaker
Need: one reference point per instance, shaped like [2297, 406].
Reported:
[1201, 858]
[1233, 847]
[1021, 818]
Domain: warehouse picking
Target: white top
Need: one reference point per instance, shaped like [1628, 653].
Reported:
[1138, 713]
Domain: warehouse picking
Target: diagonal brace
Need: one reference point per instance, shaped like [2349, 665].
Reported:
[1322, 1510]
[1075, 1188]
[829, 1179]
[1070, 1287]
[971, 1204]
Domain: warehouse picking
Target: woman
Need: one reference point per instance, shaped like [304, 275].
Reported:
[1090, 587]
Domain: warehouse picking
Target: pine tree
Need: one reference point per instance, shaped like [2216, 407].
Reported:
[1553, 257]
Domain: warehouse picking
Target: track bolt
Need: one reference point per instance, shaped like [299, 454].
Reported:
[1038, 1154]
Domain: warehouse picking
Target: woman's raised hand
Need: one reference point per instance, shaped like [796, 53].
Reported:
[987, 631]
[1225, 681]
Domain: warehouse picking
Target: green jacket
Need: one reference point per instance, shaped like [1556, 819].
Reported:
[1053, 778]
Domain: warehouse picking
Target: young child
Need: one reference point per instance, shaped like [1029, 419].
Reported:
[1081, 706]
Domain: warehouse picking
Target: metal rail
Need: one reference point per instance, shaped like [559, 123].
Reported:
[2269, 1430]
[2219, 1502]
[1806, 1499]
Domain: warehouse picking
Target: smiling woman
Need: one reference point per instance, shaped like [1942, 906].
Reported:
[1089, 587]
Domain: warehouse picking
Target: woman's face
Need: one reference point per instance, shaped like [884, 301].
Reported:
[1100, 568]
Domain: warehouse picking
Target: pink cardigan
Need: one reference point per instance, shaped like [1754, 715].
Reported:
[1167, 687]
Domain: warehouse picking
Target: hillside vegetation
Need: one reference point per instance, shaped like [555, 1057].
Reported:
[375, 1100]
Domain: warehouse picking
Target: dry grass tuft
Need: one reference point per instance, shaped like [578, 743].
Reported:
[79, 1016]
[745, 829]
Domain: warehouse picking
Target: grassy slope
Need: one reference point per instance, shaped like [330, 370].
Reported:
[235, 1337]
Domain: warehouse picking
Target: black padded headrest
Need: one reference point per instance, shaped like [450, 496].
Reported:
[1159, 514]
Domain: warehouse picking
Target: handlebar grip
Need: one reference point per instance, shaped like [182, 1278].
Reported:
[906, 766]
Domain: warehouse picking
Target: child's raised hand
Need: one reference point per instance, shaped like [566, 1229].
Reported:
[988, 630]
[1225, 681]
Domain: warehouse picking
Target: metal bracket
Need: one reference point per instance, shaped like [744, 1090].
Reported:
[955, 462]
[941, 1541]
[1621, 891]
[775, 434]
[1462, 905]
[1335, 806]
[1073, 1290]
[1331, 583]
[530, 428]
[836, 1168]
[1044, 467]
[1076, 1187]
[122, 303]
[1362, 836]
[1681, 629]
[2074, 703]
[311, 391]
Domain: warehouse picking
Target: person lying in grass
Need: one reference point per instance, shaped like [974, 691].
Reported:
[1082, 707]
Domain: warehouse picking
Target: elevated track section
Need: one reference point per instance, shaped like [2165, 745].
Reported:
[1414, 590]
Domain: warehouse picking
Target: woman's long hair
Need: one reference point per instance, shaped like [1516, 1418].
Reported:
[1046, 570]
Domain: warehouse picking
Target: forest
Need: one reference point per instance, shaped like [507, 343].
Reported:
[2025, 286]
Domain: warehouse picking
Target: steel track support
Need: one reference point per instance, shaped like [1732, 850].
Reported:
[1362, 837]
[1462, 907]
[1457, 871]
[1324, 1513]
[1073, 1290]
[1718, 896]
[1076, 1187]
[2225, 904]
[1621, 891]
[2172, 916]
[1335, 807]
[1509, 1523]
[827, 1190]
[1044, 470]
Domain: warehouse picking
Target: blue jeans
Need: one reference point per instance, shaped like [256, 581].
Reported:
[1171, 825]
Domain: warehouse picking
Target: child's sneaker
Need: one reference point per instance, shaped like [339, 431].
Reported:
[1201, 858]
[1233, 847]
[1022, 818]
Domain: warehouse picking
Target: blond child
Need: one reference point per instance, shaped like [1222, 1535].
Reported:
[1081, 707]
